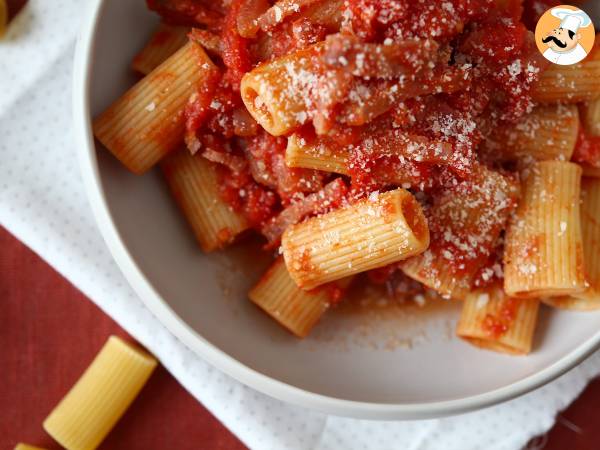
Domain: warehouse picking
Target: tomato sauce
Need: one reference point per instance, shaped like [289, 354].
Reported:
[500, 323]
[470, 69]
[587, 149]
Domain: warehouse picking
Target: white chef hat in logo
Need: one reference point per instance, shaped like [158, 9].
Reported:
[572, 20]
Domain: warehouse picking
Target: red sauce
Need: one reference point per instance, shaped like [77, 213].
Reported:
[498, 324]
[470, 69]
[587, 149]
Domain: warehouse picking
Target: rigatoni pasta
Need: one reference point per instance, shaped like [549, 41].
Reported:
[492, 320]
[590, 228]
[569, 84]
[165, 41]
[315, 155]
[147, 122]
[296, 309]
[371, 233]
[410, 143]
[590, 116]
[548, 133]
[194, 183]
[544, 247]
[97, 401]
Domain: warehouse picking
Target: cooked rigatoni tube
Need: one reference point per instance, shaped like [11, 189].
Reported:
[493, 321]
[21, 446]
[374, 232]
[147, 122]
[569, 84]
[590, 117]
[97, 401]
[194, 184]
[548, 133]
[465, 222]
[315, 155]
[295, 309]
[276, 93]
[544, 247]
[590, 229]
[165, 41]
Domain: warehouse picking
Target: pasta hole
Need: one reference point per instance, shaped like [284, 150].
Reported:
[258, 107]
[413, 214]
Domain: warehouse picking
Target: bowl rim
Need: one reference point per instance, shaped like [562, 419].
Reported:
[199, 345]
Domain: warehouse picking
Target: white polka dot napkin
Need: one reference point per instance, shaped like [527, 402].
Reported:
[42, 202]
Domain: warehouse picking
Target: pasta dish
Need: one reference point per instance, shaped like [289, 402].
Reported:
[425, 146]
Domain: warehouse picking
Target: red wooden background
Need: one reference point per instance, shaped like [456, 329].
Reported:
[49, 333]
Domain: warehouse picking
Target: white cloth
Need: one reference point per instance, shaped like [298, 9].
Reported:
[42, 202]
[566, 58]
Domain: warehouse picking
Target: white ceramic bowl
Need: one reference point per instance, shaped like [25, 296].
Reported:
[382, 365]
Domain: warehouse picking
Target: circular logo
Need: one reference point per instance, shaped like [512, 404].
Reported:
[565, 35]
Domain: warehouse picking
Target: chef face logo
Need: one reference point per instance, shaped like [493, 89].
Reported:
[565, 35]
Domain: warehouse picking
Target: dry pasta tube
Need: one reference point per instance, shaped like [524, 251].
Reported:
[147, 122]
[590, 117]
[275, 93]
[165, 41]
[317, 155]
[295, 309]
[371, 233]
[590, 228]
[493, 321]
[548, 133]
[544, 247]
[194, 184]
[97, 401]
[569, 84]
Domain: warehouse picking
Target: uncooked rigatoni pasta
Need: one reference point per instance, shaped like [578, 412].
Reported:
[409, 146]
[101, 396]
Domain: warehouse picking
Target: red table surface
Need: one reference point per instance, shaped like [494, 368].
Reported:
[50, 332]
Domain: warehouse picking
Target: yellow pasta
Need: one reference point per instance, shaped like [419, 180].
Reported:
[569, 84]
[548, 133]
[275, 93]
[97, 401]
[494, 321]
[147, 122]
[165, 41]
[371, 233]
[590, 117]
[21, 446]
[295, 309]
[544, 249]
[194, 184]
[315, 155]
[590, 228]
